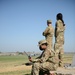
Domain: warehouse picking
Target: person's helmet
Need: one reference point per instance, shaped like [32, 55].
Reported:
[42, 42]
[49, 21]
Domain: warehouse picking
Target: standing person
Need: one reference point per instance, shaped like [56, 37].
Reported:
[48, 33]
[59, 37]
[46, 61]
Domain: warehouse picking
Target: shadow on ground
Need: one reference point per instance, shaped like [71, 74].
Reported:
[26, 74]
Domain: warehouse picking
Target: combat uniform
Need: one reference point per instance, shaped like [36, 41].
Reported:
[46, 61]
[48, 33]
[59, 40]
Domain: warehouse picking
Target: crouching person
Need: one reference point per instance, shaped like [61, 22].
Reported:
[46, 61]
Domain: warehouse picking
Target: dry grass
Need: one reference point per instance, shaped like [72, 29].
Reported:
[12, 65]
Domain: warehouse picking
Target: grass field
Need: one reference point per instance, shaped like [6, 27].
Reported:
[12, 65]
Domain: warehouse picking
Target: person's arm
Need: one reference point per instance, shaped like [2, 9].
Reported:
[45, 56]
[37, 59]
[46, 32]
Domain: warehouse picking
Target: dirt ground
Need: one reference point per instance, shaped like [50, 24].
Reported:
[70, 71]
[66, 71]
[17, 66]
[14, 68]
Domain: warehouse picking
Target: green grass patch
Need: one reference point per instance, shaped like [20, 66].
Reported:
[11, 61]
[13, 58]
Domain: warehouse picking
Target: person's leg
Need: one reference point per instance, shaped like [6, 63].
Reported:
[35, 69]
[58, 49]
[46, 66]
[61, 56]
